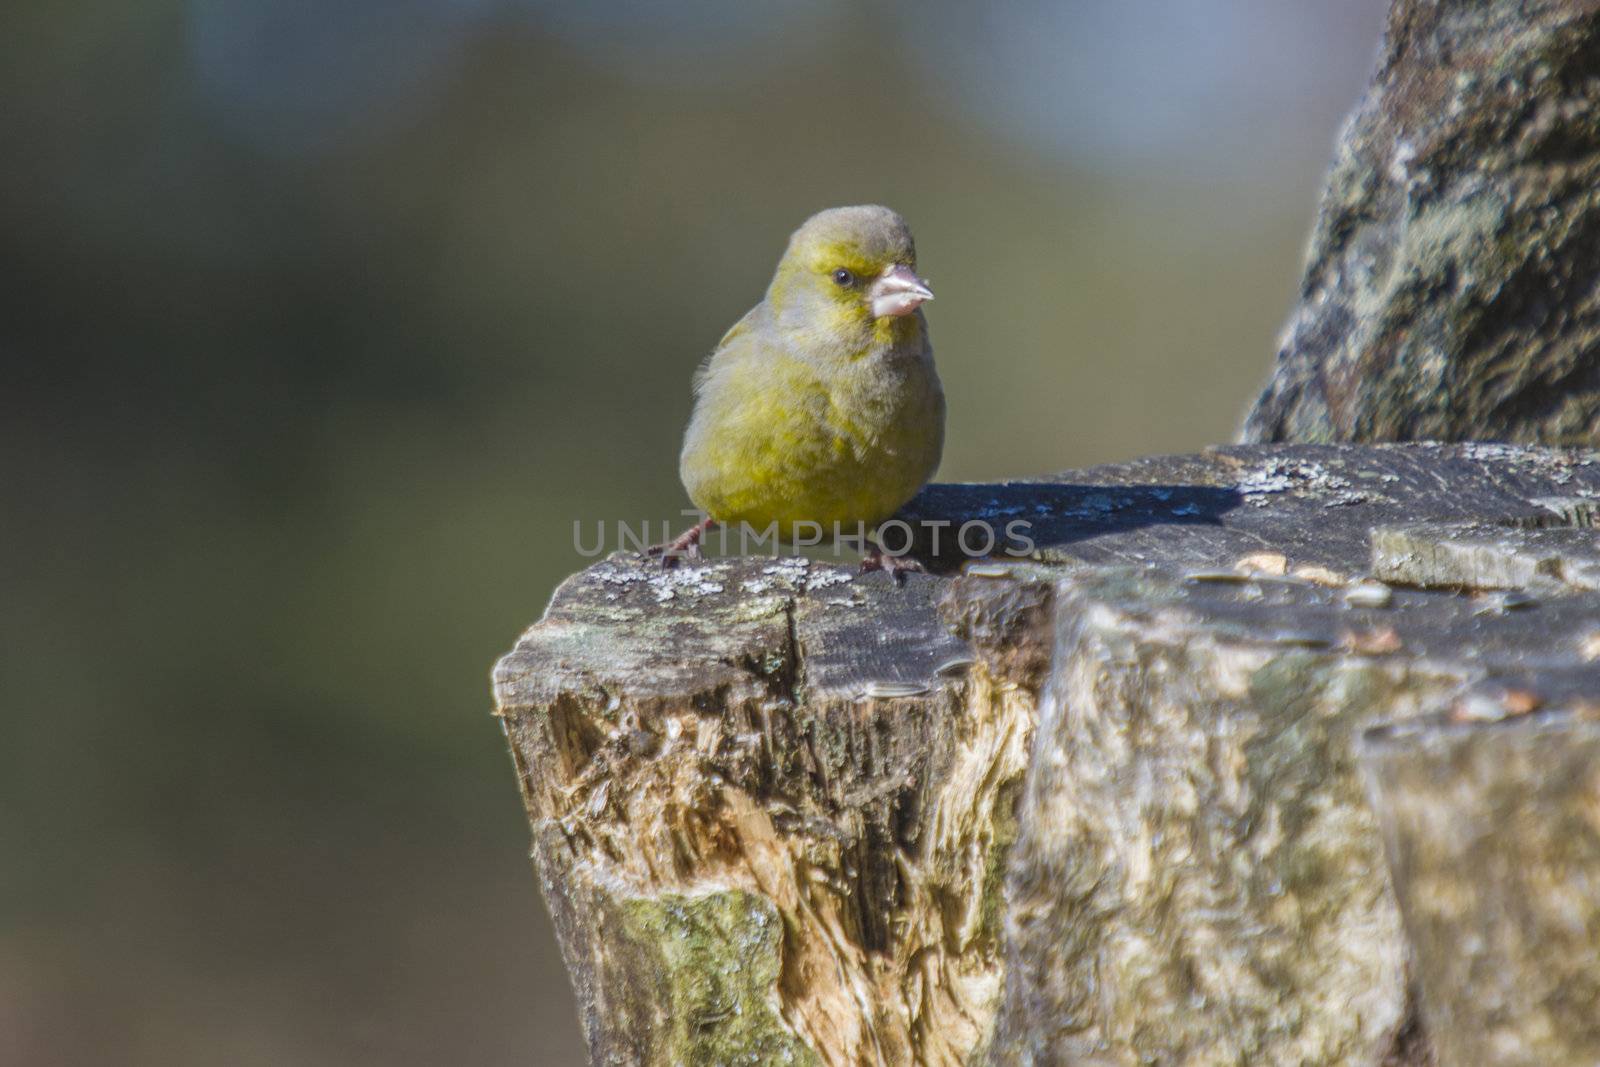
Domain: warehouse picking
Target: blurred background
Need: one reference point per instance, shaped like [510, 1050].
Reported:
[323, 320]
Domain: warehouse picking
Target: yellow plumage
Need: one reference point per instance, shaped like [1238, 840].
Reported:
[822, 404]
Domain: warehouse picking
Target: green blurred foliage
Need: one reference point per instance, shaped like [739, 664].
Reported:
[293, 443]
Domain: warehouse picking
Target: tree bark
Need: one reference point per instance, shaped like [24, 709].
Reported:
[1451, 291]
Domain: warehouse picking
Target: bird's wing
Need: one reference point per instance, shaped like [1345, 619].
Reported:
[730, 340]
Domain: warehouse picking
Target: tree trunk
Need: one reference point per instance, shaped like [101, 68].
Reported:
[1451, 292]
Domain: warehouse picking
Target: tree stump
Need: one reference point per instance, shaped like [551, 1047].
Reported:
[1102, 805]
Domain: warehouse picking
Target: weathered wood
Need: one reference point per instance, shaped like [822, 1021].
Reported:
[1453, 285]
[1492, 828]
[1559, 550]
[1197, 877]
[769, 802]
[786, 813]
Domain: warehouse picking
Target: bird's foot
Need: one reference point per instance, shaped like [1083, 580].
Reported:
[685, 546]
[897, 567]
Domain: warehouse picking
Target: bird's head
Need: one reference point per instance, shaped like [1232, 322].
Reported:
[849, 270]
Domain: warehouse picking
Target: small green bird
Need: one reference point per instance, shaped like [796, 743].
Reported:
[822, 404]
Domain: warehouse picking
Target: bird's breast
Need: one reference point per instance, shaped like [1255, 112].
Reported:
[791, 440]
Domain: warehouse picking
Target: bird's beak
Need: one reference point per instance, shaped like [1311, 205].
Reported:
[897, 291]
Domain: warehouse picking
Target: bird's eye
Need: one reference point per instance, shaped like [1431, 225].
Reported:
[843, 277]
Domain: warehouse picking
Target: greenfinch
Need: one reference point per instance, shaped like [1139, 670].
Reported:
[820, 409]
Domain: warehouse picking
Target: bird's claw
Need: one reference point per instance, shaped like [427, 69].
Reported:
[671, 555]
[685, 546]
[897, 567]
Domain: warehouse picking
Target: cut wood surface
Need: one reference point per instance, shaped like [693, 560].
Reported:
[1098, 805]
